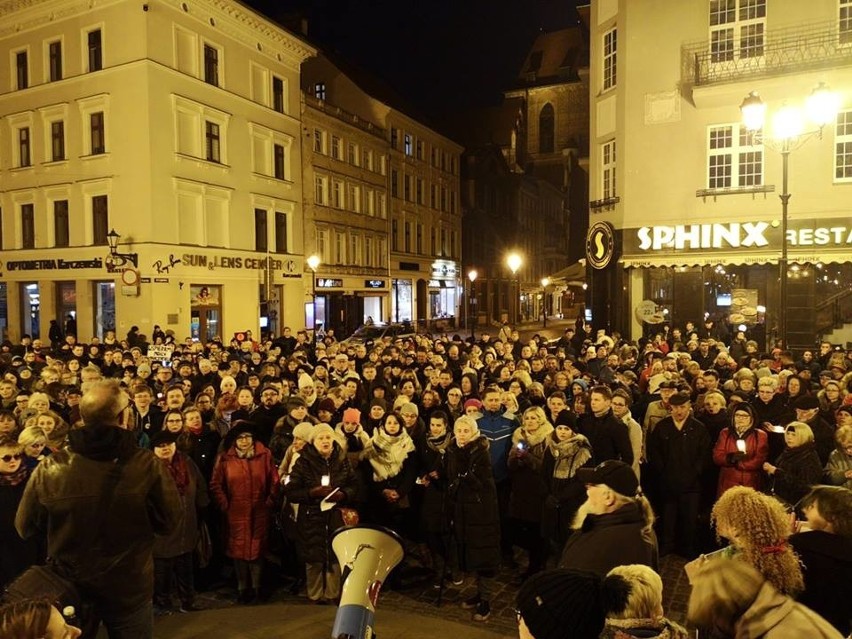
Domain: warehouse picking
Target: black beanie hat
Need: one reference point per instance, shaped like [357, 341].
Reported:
[555, 602]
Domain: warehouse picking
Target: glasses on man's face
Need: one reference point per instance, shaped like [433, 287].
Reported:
[8, 458]
[174, 421]
[22, 401]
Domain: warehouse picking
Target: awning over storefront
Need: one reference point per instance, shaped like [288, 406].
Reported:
[574, 274]
[740, 258]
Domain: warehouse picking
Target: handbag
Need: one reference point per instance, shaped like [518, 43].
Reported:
[204, 546]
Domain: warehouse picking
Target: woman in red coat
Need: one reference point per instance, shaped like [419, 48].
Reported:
[741, 450]
[245, 485]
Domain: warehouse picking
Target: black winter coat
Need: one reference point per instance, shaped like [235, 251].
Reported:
[185, 536]
[607, 541]
[473, 505]
[433, 500]
[202, 449]
[608, 436]
[16, 554]
[827, 561]
[679, 457]
[314, 527]
[798, 469]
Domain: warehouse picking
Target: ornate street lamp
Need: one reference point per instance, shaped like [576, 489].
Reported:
[472, 275]
[514, 261]
[116, 260]
[313, 264]
[788, 134]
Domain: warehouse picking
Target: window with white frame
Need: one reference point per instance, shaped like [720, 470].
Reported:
[336, 147]
[212, 61]
[95, 113]
[321, 190]
[844, 25]
[734, 157]
[337, 197]
[54, 61]
[323, 244]
[94, 50]
[382, 205]
[270, 152]
[320, 141]
[383, 253]
[737, 29]
[20, 60]
[194, 138]
[352, 155]
[608, 170]
[355, 250]
[340, 247]
[610, 50]
[354, 196]
[408, 145]
[370, 202]
[368, 251]
[843, 147]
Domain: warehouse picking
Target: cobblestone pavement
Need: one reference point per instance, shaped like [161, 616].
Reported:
[422, 598]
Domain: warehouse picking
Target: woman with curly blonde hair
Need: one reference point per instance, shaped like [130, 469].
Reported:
[758, 527]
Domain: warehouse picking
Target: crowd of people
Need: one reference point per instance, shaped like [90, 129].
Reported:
[585, 458]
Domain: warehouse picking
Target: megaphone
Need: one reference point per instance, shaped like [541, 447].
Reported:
[366, 554]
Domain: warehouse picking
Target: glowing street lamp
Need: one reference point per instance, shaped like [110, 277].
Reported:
[788, 133]
[545, 282]
[471, 275]
[514, 261]
[313, 262]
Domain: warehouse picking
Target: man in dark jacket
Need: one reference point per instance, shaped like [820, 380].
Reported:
[268, 413]
[679, 450]
[101, 502]
[607, 434]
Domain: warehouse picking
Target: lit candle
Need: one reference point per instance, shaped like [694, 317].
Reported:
[326, 480]
[286, 479]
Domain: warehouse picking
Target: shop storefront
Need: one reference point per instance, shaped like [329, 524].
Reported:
[730, 273]
[197, 293]
[444, 293]
[347, 302]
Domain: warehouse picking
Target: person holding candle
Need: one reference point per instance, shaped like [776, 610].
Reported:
[321, 476]
[741, 451]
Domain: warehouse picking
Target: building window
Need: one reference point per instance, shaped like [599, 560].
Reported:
[261, 239]
[419, 149]
[337, 194]
[452, 202]
[98, 131]
[352, 154]
[843, 147]
[281, 232]
[278, 164]
[394, 137]
[420, 194]
[355, 198]
[408, 147]
[211, 65]
[340, 248]
[28, 226]
[100, 220]
[22, 72]
[368, 251]
[407, 239]
[443, 242]
[734, 158]
[433, 198]
[407, 187]
[336, 148]
[321, 190]
[610, 51]
[419, 243]
[60, 223]
[54, 56]
[212, 141]
[367, 162]
[278, 94]
[433, 242]
[95, 50]
[546, 130]
[737, 29]
[382, 205]
[394, 235]
[608, 170]
[443, 199]
[319, 91]
[24, 147]
[845, 22]
[57, 140]
[319, 141]
[394, 183]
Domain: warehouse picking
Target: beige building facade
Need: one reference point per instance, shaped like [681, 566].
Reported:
[686, 221]
[176, 124]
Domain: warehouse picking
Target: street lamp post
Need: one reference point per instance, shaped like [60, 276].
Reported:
[545, 282]
[313, 264]
[787, 135]
[514, 261]
[472, 275]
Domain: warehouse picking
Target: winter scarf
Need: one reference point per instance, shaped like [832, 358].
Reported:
[179, 471]
[441, 443]
[17, 478]
[570, 455]
[389, 453]
[634, 628]
[533, 438]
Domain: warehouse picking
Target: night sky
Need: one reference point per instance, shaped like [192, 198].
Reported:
[442, 55]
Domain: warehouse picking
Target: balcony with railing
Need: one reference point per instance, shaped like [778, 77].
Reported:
[344, 116]
[796, 49]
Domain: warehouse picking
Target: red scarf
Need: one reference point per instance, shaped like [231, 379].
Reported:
[179, 470]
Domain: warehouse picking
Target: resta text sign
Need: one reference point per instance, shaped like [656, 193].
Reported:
[703, 236]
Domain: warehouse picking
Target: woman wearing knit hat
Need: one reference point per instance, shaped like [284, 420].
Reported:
[560, 603]
[356, 442]
[473, 508]
[320, 474]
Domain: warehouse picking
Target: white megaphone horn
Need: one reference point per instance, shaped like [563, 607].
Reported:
[366, 554]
